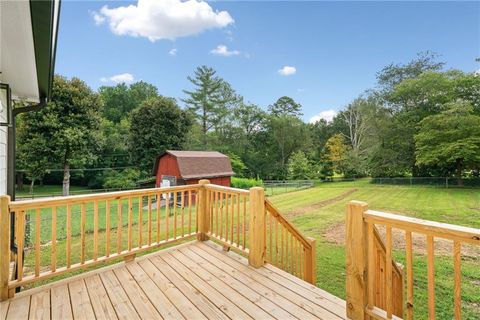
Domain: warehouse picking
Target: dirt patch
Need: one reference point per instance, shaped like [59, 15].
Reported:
[336, 234]
[302, 210]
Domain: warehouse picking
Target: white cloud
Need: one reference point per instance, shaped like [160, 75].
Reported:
[173, 52]
[327, 115]
[287, 71]
[163, 19]
[119, 78]
[222, 50]
[99, 19]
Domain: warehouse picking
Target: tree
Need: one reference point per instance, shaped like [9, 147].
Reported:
[337, 151]
[451, 137]
[393, 74]
[210, 100]
[285, 106]
[415, 99]
[66, 128]
[237, 165]
[299, 167]
[286, 134]
[30, 154]
[120, 100]
[357, 119]
[247, 120]
[156, 125]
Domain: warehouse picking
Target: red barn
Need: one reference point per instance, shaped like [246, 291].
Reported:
[188, 167]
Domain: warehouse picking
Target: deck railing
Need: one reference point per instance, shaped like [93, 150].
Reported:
[76, 232]
[287, 248]
[105, 226]
[227, 215]
[373, 286]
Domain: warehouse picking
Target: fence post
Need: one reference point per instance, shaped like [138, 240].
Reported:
[311, 262]
[203, 214]
[356, 260]
[4, 246]
[257, 231]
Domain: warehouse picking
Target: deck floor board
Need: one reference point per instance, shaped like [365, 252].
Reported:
[190, 281]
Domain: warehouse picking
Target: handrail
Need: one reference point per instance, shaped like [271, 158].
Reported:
[56, 201]
[276, 213]
[437, 229]
[287, 248]
[214, 187]
[362, 272]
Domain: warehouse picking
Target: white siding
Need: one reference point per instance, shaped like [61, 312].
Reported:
[3, 160]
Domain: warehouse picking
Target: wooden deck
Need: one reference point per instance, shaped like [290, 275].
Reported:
[196, 280]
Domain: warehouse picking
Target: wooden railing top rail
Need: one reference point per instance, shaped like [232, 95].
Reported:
[437, 229]
[214, 187]
[76, 199]
[276, 213]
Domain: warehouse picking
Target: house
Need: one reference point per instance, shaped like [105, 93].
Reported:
[188, 167]
[28, 33]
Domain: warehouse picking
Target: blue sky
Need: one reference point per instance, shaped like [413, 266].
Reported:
[332, 50]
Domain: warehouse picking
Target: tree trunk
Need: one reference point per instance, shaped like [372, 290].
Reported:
[204, 129]
[66, 179]
[31, 186]
[20, 181]
[459, 171]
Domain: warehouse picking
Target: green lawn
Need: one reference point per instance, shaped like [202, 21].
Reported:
[457, 206]
[49, 190]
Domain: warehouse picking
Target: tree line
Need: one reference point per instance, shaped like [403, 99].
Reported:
[419, 120]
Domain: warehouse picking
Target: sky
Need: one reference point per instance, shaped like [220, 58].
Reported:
[322, 54]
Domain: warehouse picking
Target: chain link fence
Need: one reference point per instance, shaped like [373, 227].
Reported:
[440, 182]
[273, 187]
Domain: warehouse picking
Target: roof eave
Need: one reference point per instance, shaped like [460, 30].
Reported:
[45, 20]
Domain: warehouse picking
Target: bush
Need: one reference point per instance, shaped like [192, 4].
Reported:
[121, 179]
[246, 183]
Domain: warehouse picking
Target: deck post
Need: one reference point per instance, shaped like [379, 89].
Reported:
[356, 260]
[257, 231]
[4, 246]
[311, 262]
[203, 214]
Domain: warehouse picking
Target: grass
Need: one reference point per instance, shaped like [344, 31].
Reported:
[49, 190]
[457, 206]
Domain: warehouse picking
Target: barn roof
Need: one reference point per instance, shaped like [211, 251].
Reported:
[199, 164]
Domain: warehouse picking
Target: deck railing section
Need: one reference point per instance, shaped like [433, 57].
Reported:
[287, 248]
[75, 232]
[365, 297]
[228, 216]
[384, 276]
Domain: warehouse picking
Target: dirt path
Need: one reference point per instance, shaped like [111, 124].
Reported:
[302, 210]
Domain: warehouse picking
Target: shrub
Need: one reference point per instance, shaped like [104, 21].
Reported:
[246, 183]
[121, 179]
